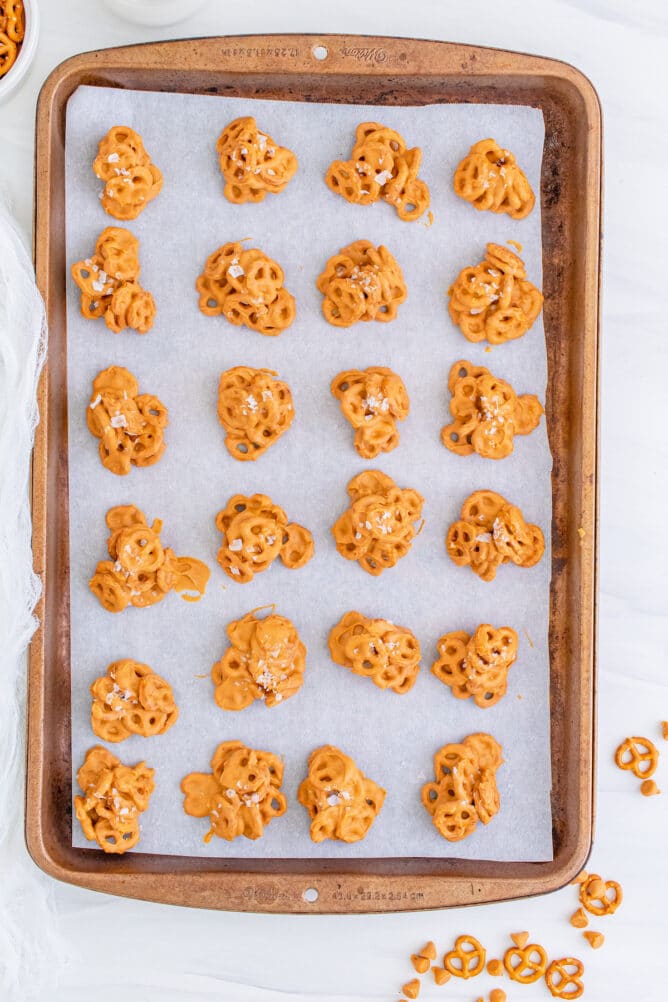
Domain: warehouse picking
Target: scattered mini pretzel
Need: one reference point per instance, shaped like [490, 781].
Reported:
[114, 795]
[109, 283]
[600, 897]
[377, 649]
[465, 790]
[12, 33]
[373, 400]
[492, 531]
[252, 163]
[255, 409]
[640, 755]
[477, 665]
[361, 282]
[131, 699]
[131, 180]
[255, 532]
[526, 963]
[563, 978]
[129, 425]
[490, 178]
[466, 959]
[341, 801]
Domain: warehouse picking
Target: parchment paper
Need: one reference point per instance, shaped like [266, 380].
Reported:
[392, 738]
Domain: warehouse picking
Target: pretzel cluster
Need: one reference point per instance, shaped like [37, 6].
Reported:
[246, 287]
[12, 33]
[381, 166]
[266, 661]
[141, 572]
[255, 532]
[490, 178]
[377, 649]
[490, 532]
[342, 803]
[254, 408]
[129, 425]
[487, 413]
[361, 282]
[131, 699]
[477, 665]
[494, 300]
[377, 529]
[114, 795]
[465, 790]
[131, 181]
[373, 400]
[109, 283]
[252, 163]
[240, 796]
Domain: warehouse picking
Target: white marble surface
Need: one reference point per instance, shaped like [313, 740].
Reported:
[168, 954]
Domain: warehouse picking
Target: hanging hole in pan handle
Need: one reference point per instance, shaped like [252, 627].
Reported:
[310, 895]
[320, 52]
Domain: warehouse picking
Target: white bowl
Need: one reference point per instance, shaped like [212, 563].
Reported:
[13, 78]
[155, 12]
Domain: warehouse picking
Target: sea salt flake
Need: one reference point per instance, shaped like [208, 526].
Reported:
[113, 158]
[236, 545]
[235, 271]
[98, 400]
[384, 177]
[119, 421]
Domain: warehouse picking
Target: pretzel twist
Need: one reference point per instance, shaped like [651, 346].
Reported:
[373, 400]
[563, 978]
[252, 163]
[12, 33]
[129, 424]
[109, 283]
[341, 801]
[465, 790]
[114, 795]
[254, 409]
[640, 755]
[477, 665]
[467, 958]
[600, 897]
[490, 178]
[255, 532]
[525, 964]
[491, 532]
[131, 699]
[361, 282]
[377, 649]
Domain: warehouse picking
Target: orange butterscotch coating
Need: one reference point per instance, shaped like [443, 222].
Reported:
[465, 790]
[109, 283]
[254, 408]
[252, 163]
[487, 413]
[240, 796]
[490, 532]
[131, 699]
[128, 424]
[114, 795]
[255, 532]
[12, 33]
[381, 166]
[131, 181]
[490, 178]
[377, 530]
[342, 803]
[377, 649]
[373, 400]
[477, 665]
[361, 282]
[141, 572]
[493, 300]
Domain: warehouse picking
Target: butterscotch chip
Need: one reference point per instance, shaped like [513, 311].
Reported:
[495, 968]
[428, 951]
[581, 877]
[648, 788]
[579, 919]
[595, 939]
[341, 801]
[497, 995]
[421, 964]
[252, 163]
[664, 729]
[411, 989]
[491, 179]
[440, 975]
[520, 939]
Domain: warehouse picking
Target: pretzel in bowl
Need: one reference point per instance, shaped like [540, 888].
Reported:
[114, 796]
[265, 661]
[241, 794]
[246, 287]
[342, 803]
[252, 163]
[109, 283]
[141, 572]
[490, 178]
[477, 665]
[12, 33]
[487, 413]
[377, 649]
[381, 166]
[377, 530]
[361, 282]
[465, 790]
[373, 400]
[494, 300]
[490, 532]
[131, 699]
[128, 424]
[255, 409]
[255, 532]
[131, 180]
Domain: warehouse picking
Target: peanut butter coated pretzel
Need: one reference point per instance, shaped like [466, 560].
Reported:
[490, 532]
[246, 287]
[490, 178]
[131, 180]
[477, 665]
[373, 400]
[12, 33]
[377, 530]
[254, 409]
[381, 166]
[128, 424]
[255, 532]
[342, 803]
[465, 790]
[361, 282]
[494, 300]
[141, 572]
[131, 699]
[240, 796]
[109, 283]
[114, 795]
[252, 163]
[377, 649]
[487, 413]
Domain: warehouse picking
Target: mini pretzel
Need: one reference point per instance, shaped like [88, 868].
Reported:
[254, 409]
[640, 755]
[129, 425]
[109, 286]
[490, 178]
[477, 665]
[377, 530]
[361, 282]
[246, 287]
[493, 300]
[377, 649]
[241, 796]
[12, 33]
[487, 413]
[342, 803]
[381, 167]
[131, 180]
[600, 897]
[467, 959]
[465, 790]
[490, 532]
[140, 572]
[255, 532]
[525, 964]
[372, 400]
[252, 163]
[131, 699]
[563, 978]
[114, 795]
